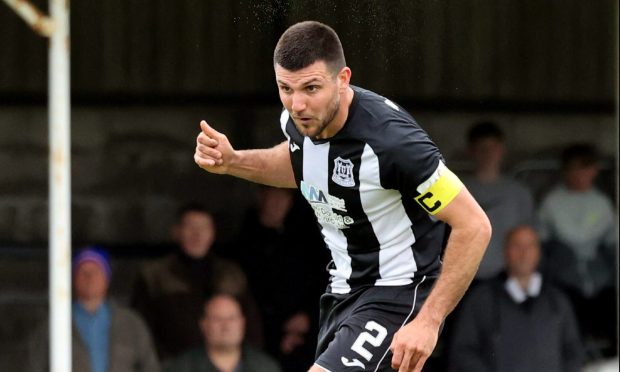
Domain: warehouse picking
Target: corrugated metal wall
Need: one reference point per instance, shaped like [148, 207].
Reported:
[504, 50]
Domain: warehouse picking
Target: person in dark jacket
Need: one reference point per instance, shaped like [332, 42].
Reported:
[222, 326]
[170, 291]
[517, 322]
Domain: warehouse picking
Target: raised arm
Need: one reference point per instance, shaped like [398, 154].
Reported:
[469, 237]
[215, 154]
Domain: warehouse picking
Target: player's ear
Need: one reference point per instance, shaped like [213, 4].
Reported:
[344, 77]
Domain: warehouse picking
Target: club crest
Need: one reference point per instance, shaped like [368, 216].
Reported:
[343, 172]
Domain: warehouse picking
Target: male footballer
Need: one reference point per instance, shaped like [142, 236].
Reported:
[405, 235]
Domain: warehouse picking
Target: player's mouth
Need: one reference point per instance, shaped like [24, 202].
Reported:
[305, 121]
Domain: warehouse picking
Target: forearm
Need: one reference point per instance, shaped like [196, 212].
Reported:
[462, 256]
[215, 154]
[265, 166]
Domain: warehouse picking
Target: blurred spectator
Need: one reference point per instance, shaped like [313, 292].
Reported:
[106, 336]
[222, 326]
[170, 291]
[281, 266]
[296, 352]
[506, 202]
[517, 321]
[577, 225]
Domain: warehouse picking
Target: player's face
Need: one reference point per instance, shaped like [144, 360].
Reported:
[522, 252]
[195, 234]
[312, 97]
[223, 324]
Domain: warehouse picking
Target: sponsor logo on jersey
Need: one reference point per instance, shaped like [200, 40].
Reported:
[324, 204]
[343, 172]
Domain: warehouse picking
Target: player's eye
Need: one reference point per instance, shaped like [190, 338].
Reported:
[312, 88]
[285, 89]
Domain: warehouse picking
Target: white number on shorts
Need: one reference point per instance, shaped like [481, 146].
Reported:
[364, 337]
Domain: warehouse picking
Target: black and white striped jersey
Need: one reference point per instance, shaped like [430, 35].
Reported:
[368, 188]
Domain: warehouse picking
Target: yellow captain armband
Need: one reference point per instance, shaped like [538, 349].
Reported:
[439, 190]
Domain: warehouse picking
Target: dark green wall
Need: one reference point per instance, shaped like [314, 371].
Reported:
[559, 51]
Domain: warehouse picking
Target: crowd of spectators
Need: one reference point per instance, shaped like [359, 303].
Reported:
[544, 298]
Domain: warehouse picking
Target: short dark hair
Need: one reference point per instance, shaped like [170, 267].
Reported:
[581, 153]
[484, 129]
[307, 42]
[192, 207]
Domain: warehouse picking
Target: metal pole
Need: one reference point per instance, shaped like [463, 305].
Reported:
[57, 28]
[60, 190]
[32, 16]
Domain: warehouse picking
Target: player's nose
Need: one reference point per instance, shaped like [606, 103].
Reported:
[298, 102]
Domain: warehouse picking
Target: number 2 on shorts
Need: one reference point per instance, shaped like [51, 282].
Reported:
[367, 337]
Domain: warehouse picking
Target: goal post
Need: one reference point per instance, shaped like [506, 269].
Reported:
[56, 27]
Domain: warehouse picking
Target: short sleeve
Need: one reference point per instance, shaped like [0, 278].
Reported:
[415, 167]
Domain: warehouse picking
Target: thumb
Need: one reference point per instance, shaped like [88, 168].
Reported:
[208, 130]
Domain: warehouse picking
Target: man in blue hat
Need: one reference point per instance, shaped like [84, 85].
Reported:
[106, 336]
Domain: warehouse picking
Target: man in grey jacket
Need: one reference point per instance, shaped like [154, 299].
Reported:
[106, 336]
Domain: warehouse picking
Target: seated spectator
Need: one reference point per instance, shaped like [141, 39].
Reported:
[577, 225]
[506, 201]
[170, 291]
[281, 267]
[222, 326]
[517, 321]
[107, 337]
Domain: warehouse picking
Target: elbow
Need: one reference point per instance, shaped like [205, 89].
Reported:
[485, 230]
[479, 230]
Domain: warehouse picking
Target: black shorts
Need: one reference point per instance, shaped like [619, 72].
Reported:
[357, 328]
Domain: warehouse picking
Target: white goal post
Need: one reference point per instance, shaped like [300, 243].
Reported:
[56, 27]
